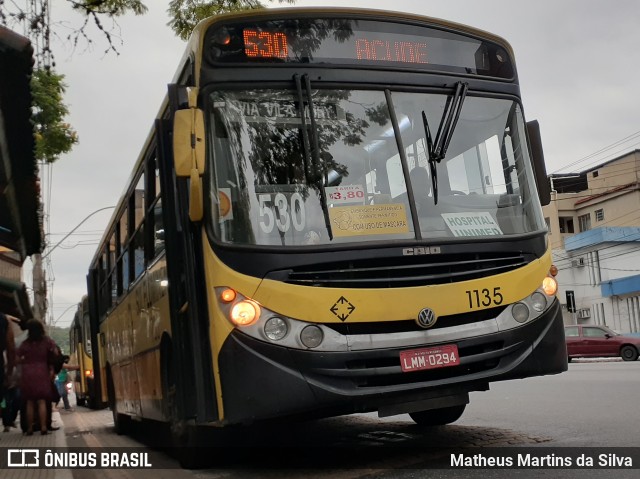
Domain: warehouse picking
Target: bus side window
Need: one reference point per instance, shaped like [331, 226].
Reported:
[155, 219]
[137, 243]
[158, 234]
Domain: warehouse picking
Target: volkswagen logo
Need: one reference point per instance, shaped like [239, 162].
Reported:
[426, 318]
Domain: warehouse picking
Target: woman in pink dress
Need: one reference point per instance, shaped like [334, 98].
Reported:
[36, 355]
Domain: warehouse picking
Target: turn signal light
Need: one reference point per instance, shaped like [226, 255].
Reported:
[553, 271]
[550, 286]
[244, 313]
[227, 295]
[88, 372]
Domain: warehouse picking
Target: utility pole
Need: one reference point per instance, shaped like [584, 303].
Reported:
[38, 274]
[39, 289]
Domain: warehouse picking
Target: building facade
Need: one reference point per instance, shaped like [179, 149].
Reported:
[20, 218]
[594, 225]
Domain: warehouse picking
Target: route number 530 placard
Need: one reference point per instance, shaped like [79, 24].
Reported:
[278, 211]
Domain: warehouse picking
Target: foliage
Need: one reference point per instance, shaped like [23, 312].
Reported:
[109, 7]
[60, 336]
[53, 136]
[97, 9]
[186, 14]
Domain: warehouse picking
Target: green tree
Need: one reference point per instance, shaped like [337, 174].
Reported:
[52, 134]
[185, 14]
[60, 336]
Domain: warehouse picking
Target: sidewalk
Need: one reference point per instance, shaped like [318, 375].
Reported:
[16, 440]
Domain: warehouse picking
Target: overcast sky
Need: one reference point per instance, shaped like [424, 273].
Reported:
[577, 61]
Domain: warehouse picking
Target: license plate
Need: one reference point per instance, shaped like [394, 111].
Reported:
[429, 358]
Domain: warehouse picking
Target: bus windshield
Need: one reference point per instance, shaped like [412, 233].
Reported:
[322, 166]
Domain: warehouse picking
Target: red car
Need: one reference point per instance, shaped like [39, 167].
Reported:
[599, 341]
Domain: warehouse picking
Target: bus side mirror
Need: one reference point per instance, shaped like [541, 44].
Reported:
[189, 152]
[188, 139]
[539, 168]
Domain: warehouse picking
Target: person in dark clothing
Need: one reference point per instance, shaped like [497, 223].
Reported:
[36, 355]
[11, 401]
[8, 350]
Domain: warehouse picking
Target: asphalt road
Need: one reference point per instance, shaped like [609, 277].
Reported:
[593, 405]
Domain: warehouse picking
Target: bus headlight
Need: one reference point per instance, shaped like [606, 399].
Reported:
[520, 312]
[275, 328]
[311, 336]
[538, 302]
[244, 313]
[549, 286]
[257, 321]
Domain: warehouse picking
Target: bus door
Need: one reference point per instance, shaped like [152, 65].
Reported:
[194, 376]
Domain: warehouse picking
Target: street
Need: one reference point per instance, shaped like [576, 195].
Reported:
[592, 405]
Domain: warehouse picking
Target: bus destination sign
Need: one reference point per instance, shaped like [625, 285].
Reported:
[343, 42]
[259, 44]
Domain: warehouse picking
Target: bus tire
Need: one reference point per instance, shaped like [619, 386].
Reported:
[121, 422]
[189, 455]
[438, 417]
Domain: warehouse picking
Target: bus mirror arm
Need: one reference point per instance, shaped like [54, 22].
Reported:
[539, 167]
[196, 201]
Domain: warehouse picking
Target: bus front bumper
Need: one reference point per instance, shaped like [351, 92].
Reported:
[261, 380]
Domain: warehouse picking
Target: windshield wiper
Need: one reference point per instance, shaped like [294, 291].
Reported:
[315, 172]
[438, 148]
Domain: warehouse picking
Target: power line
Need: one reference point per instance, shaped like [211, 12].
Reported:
[602, 150]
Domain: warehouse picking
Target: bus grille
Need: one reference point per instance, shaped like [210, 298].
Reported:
[404, 271]
[384, 368]
[409, 325]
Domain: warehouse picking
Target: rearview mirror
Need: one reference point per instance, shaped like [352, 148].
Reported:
[188, 139]
[537, 158]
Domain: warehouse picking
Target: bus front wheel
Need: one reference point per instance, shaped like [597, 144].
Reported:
[438, 417]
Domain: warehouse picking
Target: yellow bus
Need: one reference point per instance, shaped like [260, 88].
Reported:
[337, 211]
[80, 355]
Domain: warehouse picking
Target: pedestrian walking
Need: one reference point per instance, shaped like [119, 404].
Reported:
[11, 401]
[36, 355]
[62, 379]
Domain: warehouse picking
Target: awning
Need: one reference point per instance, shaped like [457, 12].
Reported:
[14, 299]
[19, 187]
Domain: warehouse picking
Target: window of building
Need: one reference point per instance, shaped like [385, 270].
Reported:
[595, 174]
[566, 224]
[600, 215]
[584, 222]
